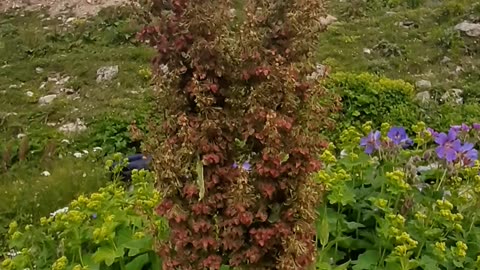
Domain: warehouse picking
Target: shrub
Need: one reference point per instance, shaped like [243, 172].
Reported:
[367, 97]
[111, 229]
[391, 205]
[232, 90]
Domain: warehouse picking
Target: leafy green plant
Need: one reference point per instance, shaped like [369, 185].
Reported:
[110, 229]
[391, 205]
[367, 97]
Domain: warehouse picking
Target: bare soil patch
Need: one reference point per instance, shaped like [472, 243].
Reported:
[80, 8]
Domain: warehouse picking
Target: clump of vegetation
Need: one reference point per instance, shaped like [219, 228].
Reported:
[367, 97]
[395, 202]
[109, 229]
[232, 90]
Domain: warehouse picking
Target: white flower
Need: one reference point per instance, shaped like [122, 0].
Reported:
[85, 151]
[66, 141]
[29, 94]
[96, 149]
[77, 155]
[343, 154]
[59, 211]
[45, 173]
[21, 135]
[13, 253]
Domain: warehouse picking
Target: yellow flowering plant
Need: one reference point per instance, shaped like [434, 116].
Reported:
[110, 229]
[395, 202]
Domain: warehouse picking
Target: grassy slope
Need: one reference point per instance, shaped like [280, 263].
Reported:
[410, 54]
[29, 42]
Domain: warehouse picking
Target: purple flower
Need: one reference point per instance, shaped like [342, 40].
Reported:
[399, 136]
[432, 132]
[245, 166]
[448, 145]
[476, 126]
[461, 128]
[94, 216]
[371, 142]
[467, 155]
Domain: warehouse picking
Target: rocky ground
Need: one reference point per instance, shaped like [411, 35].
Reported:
[80, 8]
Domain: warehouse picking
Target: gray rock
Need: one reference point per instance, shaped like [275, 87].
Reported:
[107, 73]
[76, 127]
[423, 96]
[445, 60]
[47, 99]
[328, 20]
[453, 96]
[470, 29]
[423, 85]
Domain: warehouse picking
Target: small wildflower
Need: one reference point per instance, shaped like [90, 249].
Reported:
[45, 173]
[245, 166]
[399, 136]
[476, 126]
[448, 145]
[371, 143]
[77, 154]
[467, 155]
[440, 246]
[461, 128]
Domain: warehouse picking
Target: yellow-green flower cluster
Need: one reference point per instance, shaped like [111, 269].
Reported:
[460, 250]
[404, 243]
[422, 135]
[328, 158]
[396, 180]
[60, 264]
[350, 138]
[330, 179]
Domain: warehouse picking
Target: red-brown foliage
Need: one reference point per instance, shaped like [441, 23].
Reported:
[234, 91]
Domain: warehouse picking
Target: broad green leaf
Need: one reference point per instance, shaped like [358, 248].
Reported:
[366, 260]
[200, 179]
[155, 260]
[137, 263]
[343, 266]
[107, 255]
[354, 225]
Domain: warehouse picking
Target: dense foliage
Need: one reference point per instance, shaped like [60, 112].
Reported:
[367, 97]
[400, 203]
[232, 90]
[110, 229]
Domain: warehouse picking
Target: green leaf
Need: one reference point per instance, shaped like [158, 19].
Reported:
[137, 263]
[428, 263]
[324, 231]
[200, 179]
[343, 266]
[366, 260]
[354, 225]
[107, 255]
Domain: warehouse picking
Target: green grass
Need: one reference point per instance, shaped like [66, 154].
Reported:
[396, 52]
[30, 42]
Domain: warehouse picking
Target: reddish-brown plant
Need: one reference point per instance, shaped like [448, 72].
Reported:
[231, 88]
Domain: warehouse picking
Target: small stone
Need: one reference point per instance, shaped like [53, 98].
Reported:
[29, 94]
[69, 20]
[328, 20]
[453, 95]
[367, 51]
[76, 127]
[68, 91]
[45, 173]
[39, 70]
[3, 92]
[470, 29]
[445, 60]
[63, 80]
[47, 99]
[78, 155]
[423, 96]
[423, 84]
[107, 73]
